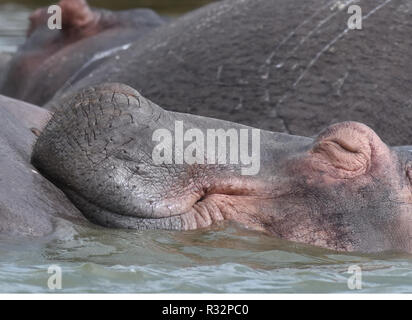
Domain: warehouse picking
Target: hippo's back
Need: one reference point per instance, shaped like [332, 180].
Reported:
[283, 65]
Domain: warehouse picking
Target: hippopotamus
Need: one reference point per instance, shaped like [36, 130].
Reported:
[88, 37]
[344, 189]
[288, 66]
[30, 205]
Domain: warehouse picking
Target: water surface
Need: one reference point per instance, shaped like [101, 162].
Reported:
[225, 259]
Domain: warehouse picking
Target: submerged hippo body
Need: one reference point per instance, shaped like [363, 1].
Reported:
[29, 204]
[344, 190]
[52, 59]
[282, 65]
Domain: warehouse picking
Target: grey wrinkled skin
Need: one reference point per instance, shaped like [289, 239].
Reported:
[98, 149]
[281, 65]
[29, 204]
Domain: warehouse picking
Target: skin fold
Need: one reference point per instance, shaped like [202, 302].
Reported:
[344, 190]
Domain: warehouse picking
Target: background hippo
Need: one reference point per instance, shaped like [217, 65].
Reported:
[344, 190]
[283, 65]
[29, 204]
[50, 58]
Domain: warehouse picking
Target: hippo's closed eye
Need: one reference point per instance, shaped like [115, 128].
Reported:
[346, 150]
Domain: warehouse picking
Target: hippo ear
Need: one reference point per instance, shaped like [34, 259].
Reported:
[344, 150]
[76, 14]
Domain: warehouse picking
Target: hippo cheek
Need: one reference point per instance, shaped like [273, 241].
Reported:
[349, 193]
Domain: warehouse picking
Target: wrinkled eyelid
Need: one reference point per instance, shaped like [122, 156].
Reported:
[344, 145]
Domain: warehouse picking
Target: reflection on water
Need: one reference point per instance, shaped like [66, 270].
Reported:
[224, 259]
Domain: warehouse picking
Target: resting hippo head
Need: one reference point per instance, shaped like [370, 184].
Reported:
[345, 190]
[55, 58]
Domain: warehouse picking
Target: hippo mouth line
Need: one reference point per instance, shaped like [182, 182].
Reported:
[111, 219]
[208, 209]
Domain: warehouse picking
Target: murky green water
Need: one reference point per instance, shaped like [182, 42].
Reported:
[227, 259]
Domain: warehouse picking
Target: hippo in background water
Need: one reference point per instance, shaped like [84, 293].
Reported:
[29, 204]
[344, 190]
[281, 65]
[88, 36]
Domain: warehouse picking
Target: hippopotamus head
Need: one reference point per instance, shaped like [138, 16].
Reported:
[344, 190]
[50, 57]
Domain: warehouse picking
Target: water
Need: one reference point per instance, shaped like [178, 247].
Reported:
[224, 259]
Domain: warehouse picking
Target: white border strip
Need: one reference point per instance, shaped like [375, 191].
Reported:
[196, 297]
